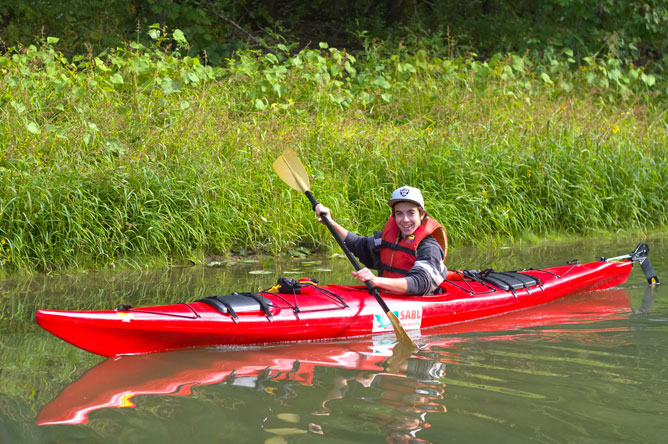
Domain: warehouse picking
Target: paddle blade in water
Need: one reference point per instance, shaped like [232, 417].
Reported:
[402, 336]
[291, 171]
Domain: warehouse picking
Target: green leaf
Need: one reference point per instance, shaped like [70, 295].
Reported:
[382, 82]
[518, 63]
[271, 58]
[566, 86]
[33, 128]
[18, 107]
[260, 105]
[296, 61]
[546, 78]
[180, 38]
[166, 85]
[648, 79]
[614, 74]
[52, 40]
[116, 79]
[114, 148]
[100, 64]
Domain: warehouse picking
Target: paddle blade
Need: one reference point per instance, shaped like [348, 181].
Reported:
[402, 336]
[291, 171]
[400, 354]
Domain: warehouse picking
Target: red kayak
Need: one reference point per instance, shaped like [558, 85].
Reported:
[118, 382]
[301, 311]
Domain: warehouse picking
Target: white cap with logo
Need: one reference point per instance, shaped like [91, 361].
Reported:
[407, 194]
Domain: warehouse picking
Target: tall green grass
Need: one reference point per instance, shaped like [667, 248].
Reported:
[140, 155]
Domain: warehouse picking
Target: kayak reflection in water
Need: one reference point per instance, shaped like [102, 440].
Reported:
[408, 254]
[398, 402]
[333, 383]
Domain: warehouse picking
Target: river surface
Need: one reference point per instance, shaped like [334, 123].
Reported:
[592, 368]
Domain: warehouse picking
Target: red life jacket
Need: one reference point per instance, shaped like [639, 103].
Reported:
[398, 256]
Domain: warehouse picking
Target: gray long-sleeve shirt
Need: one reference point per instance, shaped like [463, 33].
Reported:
[425, 275]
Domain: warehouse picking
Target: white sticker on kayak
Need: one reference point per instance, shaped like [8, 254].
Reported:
[124, 315]
[410, 318]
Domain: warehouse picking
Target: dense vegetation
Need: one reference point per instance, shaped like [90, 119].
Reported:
[147, 152]
[628, 30]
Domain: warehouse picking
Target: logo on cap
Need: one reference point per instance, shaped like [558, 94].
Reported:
[404, 192]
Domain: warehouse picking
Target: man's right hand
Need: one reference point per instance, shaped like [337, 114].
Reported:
[322, 210]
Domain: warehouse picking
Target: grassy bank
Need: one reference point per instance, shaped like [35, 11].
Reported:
[142, 155]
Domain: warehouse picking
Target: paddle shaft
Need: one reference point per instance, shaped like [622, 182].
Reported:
[372, 290]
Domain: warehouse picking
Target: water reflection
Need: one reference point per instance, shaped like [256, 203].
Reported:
[336, 388]
[647, 301]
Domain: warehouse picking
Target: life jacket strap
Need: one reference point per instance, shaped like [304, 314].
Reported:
[389, 269]
[397, 247]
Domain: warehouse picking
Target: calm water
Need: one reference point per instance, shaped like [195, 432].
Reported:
[591, 368]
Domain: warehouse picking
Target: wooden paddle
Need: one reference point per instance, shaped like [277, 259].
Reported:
[291, 171]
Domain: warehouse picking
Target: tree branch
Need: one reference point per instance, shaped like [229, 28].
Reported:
[240, 28]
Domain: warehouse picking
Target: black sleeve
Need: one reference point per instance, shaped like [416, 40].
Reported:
[365, 248]
[428, 271]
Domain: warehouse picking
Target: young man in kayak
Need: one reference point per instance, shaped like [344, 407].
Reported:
[408, 253]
